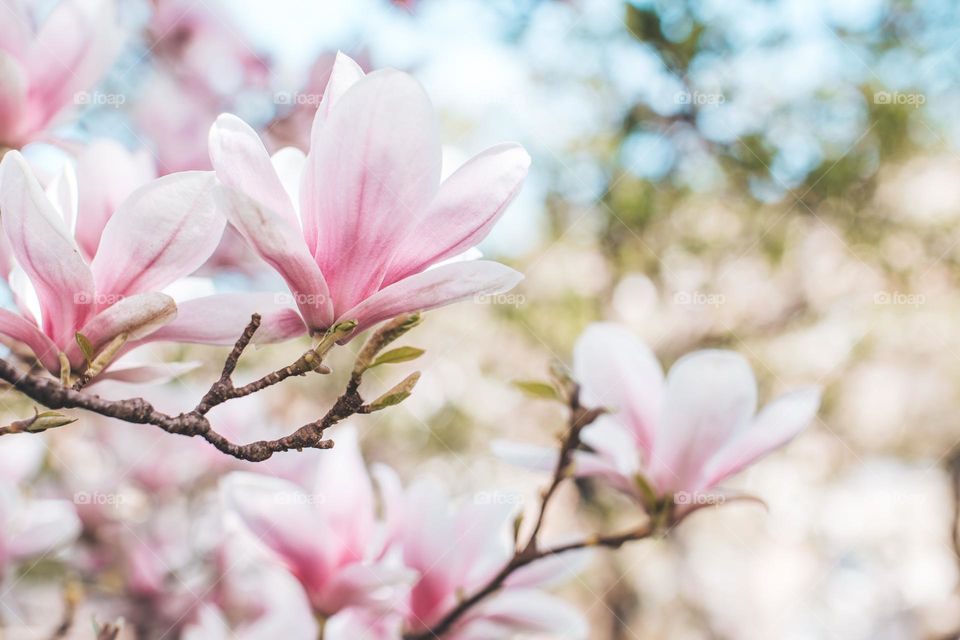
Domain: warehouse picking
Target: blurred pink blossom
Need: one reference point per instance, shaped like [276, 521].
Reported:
[457, 548]
[677, 436]
[42, 70]
[29, 527]
[358, 226]
[326, 533]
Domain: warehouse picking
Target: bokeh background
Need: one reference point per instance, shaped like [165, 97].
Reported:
[778, 177]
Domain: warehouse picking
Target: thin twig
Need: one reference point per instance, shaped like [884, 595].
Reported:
[53, 394]
[531, 552]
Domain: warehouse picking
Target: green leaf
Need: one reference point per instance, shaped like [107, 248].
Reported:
[400, 354]
[397, 394]
[86, 347]
[537, 389]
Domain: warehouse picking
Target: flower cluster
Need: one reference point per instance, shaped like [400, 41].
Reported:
[282, 537]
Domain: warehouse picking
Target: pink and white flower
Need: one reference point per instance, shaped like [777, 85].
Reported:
[326, 534]
[677, 436]
[358, 228]
[456, 549]
[43, 69]
[161, 232]
[29, 527]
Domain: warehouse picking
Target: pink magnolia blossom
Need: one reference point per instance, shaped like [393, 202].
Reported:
[161, 232]
[42, 69]
[457, 548]
[358, 226]
[325, 534]
[678, 436]
[29, 527]
[200, 43]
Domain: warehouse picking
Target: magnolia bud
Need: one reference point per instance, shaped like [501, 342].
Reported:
[397, 394]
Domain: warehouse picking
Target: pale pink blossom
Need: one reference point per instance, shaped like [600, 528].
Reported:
[43, 69]
[29, 527]
[203, 47]
[456, 548]
[677, 436]
[326, 534]
[160, 233]
[359, 226]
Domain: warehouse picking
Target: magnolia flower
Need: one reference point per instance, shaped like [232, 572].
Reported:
[325, 534]
[457, 549]
[358, 227]
[43, 70]
[106, 280]
[676, 437]
[29, 527]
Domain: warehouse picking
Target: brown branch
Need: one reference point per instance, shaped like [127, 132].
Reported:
[51, 393]
[520, 560]
[531, 552]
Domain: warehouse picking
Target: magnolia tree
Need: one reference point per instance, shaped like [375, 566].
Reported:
[102, 257]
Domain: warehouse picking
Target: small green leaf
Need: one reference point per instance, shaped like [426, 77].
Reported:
[48, 420]
[537, 389]
[86, 347]
[400, 354]
[397, 394]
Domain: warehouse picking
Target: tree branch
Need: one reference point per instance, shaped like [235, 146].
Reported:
[51, 393]
[531, 552]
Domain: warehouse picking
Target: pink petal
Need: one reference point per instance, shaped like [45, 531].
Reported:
[13, 98]
[371, 171]
[21, 457]
[516, 611]
[148, 373]
[274, 235]
[284, 519]
[40, 527]
[619, 372]
[242, 163]
[434, 288]
[776, 425]
[466, 207]
[710, 395]
[220, 319]
[137, 316]
[22, 330]
[346, 498]
[165, 230]
[15, 33]
[550, 571]
[44, 250]
[102, 192]
[529, 456]
[73, 49]
[376, 586]
[344, 74]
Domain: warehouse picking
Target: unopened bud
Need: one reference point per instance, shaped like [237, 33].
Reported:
[397, 394]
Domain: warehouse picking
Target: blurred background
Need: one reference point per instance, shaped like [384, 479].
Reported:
[777, 177]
